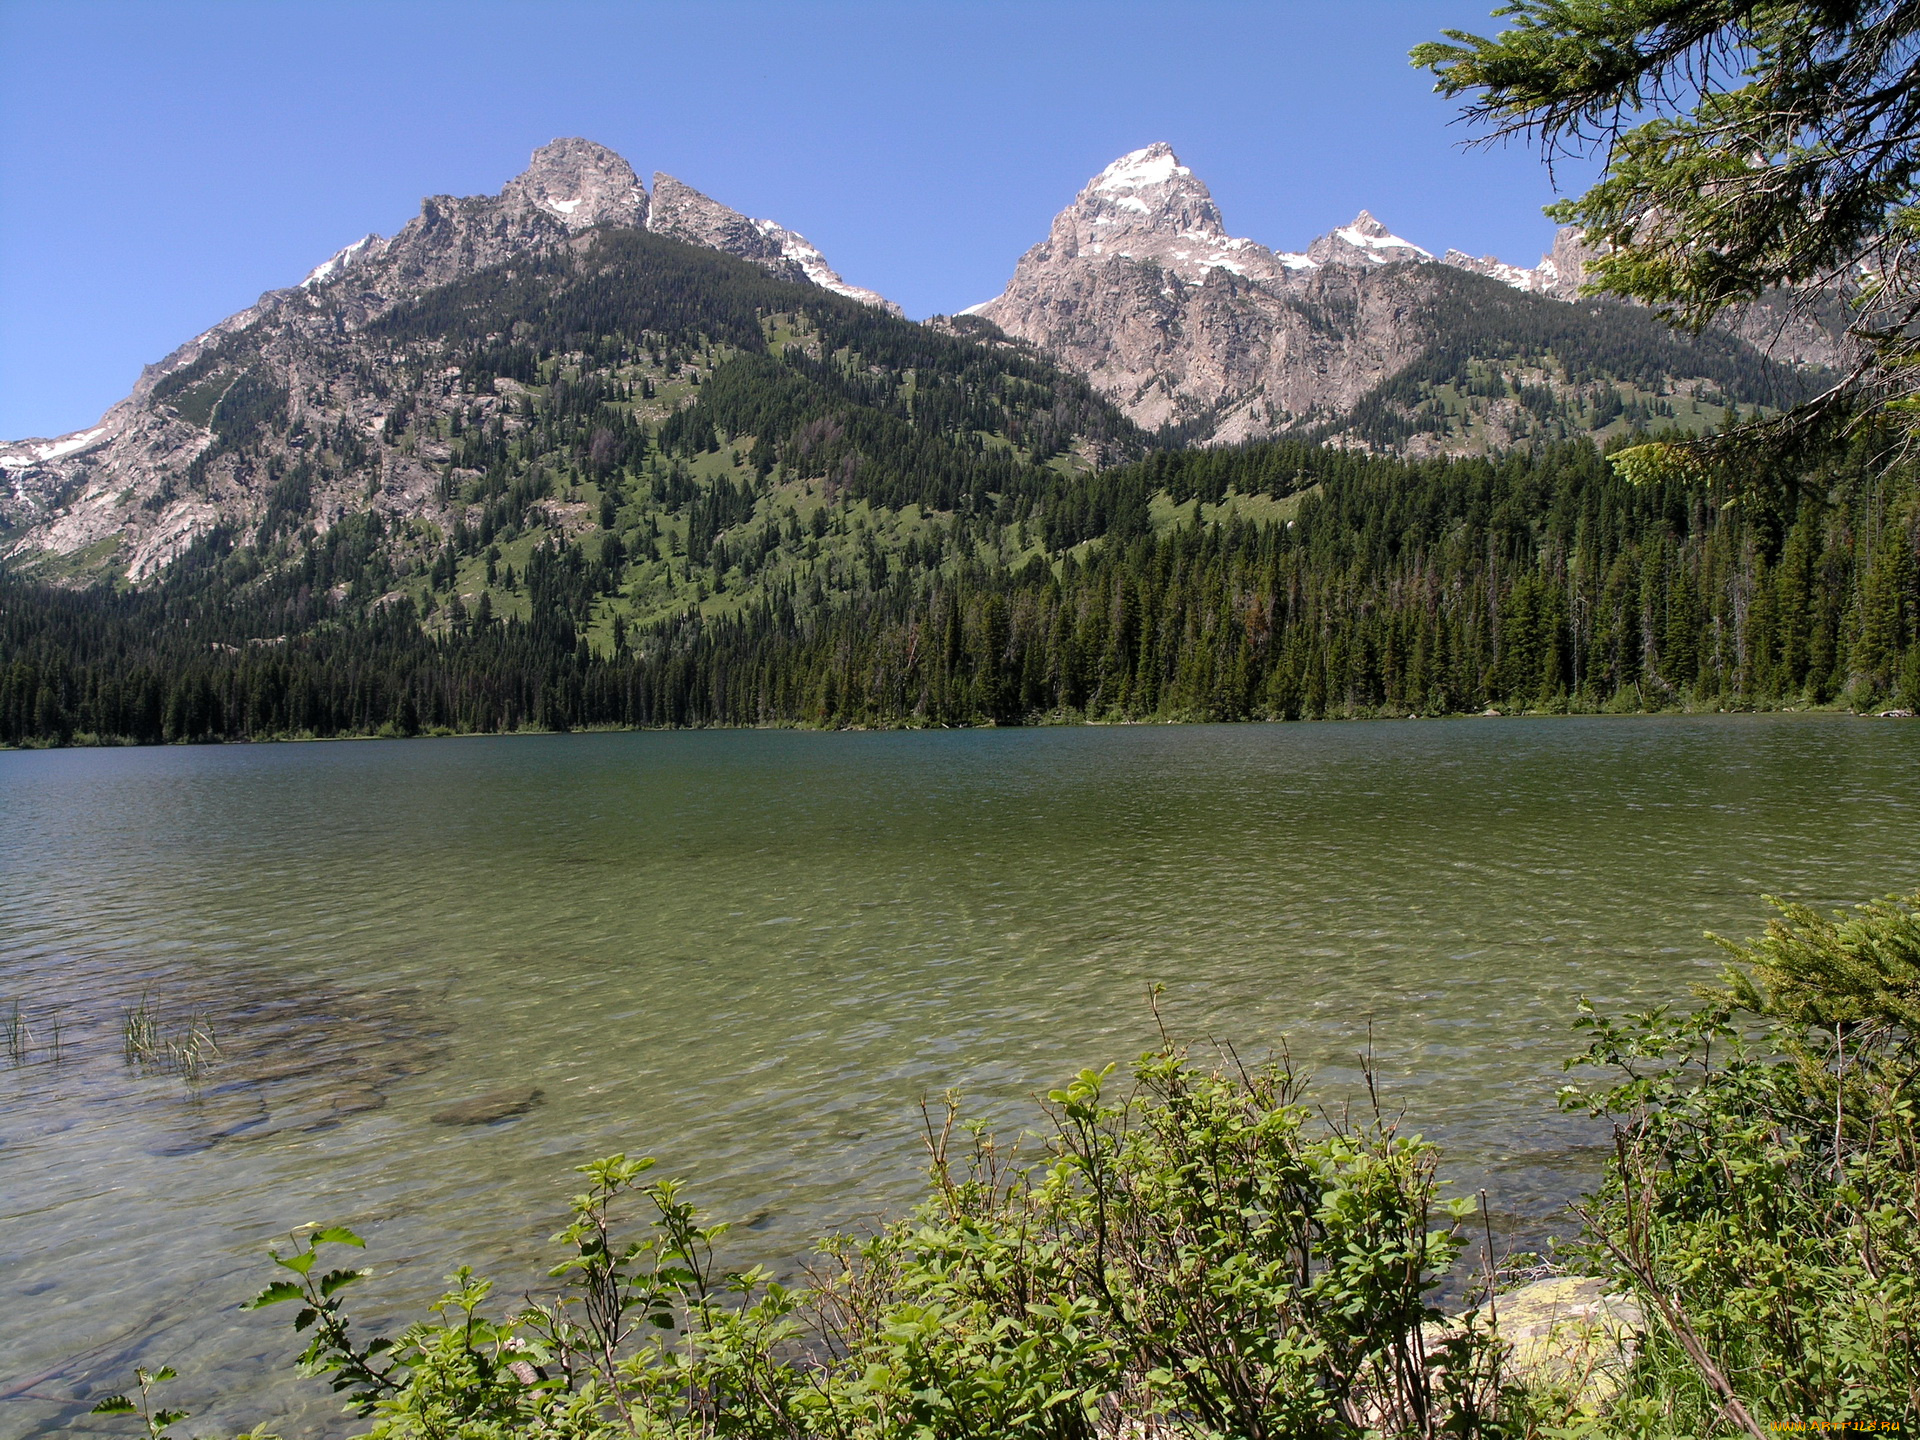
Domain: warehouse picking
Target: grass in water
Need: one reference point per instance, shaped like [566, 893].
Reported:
[147, 1044]
[19, 1037]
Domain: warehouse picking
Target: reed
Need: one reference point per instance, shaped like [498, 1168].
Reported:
[140, 1032]
[196, 1054]
[146, 1043]
[19, 1038]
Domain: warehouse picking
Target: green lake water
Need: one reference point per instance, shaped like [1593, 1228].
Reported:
[751, 954]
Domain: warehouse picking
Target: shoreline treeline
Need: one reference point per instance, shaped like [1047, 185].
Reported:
[1525, 583]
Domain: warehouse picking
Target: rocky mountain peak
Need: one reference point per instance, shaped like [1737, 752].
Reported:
[1146, 206]
[683, 213]
[1364, 241]
[1149, 190]
[580, 183]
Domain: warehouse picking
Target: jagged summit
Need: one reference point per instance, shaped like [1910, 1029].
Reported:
[1364, 242]
[582, 183]
[571, 185]
[683, 213]
[1151, 190]
[1146, 206]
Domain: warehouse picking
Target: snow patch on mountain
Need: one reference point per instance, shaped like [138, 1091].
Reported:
[340, 260]
[1155, 165]
[21, 454]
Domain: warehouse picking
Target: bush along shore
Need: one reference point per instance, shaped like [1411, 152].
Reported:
[1194, 1250]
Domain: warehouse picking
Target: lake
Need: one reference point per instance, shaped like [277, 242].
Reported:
[752, 954]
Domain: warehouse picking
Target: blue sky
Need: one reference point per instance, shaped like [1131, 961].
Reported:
[161, 164]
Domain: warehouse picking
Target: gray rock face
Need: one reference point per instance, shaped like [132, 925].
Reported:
[683, 213]
[1563, 269]
[582, 183]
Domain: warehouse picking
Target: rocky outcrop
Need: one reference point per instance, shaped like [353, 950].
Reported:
[682, 212]
[1569, 1337]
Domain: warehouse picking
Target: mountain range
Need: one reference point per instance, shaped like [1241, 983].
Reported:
[1362, 337]
[593, 453]
[360, 379]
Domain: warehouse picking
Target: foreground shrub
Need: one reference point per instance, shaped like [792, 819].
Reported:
[1763, 1203]
[1196, 1253]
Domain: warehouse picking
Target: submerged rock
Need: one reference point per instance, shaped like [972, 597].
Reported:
[1567, 1335]
[356, 1099]
[485, 1109]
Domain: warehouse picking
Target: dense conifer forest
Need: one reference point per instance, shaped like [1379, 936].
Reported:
[1272, 581]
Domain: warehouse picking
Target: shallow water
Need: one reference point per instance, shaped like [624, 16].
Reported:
[752, 954]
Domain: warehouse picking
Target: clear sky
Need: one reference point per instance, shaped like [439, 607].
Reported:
[162, 163]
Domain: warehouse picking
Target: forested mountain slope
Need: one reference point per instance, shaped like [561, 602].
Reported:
[622, 392]
[1277, 580]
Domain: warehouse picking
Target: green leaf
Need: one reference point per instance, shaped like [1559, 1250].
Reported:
[337, 1235]
[340, 1279]
[114, 1405]
[274, 1294]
